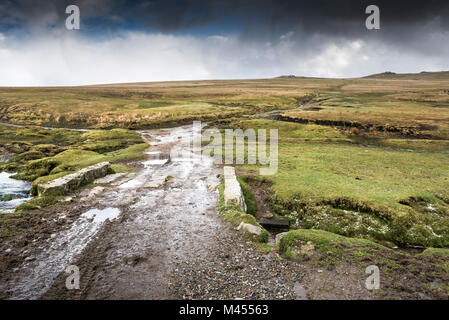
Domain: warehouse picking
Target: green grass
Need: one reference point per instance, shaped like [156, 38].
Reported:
[38, 203]
[328, 247]
[317, 248]
[145, 105]
[383, 114]
[336, 182]
[435, 251]
[120, 168]
[108, 140]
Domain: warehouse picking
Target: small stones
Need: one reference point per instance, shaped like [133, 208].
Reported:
[434, 284]
[156, 181]
[267, 215]
[423, 296]
[233, 271]
[307, 249]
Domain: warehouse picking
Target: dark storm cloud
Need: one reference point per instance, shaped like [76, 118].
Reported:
[256, 17]
[409, 24]
[327, 16]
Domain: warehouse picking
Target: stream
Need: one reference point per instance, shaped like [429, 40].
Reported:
[12, 192]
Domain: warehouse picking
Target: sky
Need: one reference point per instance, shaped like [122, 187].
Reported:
[123, 41]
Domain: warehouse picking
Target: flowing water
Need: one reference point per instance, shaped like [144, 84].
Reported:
[13, 192]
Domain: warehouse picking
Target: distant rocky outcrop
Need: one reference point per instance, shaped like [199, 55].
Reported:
[288, 76]
[410, 76]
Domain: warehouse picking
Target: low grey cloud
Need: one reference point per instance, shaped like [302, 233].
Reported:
[60, 59]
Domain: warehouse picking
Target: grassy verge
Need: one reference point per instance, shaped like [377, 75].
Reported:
[333, 181]
[39, 203]
[326, 247]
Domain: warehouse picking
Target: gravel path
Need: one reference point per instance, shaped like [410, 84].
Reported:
[236, 269]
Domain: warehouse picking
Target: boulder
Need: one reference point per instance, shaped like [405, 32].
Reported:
[233, 192]
[211, 188]
[67, 199]
[73, 181]
[246, 227]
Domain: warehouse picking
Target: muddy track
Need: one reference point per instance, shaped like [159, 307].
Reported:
[149, 235]
[166, 204]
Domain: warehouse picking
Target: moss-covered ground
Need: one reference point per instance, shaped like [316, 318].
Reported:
[41, 155]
